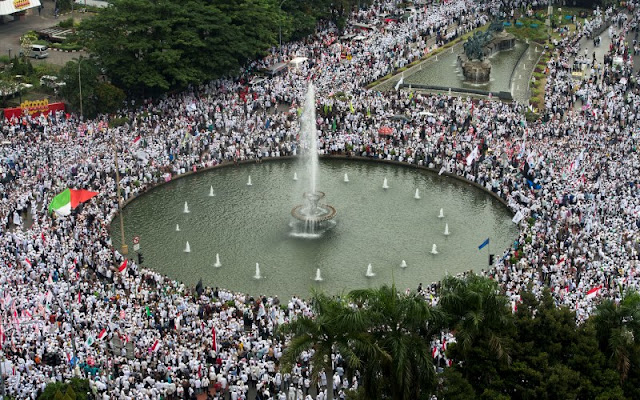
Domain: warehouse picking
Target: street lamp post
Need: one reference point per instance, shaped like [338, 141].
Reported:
[80, 86]
[124, 249]
[10, 53]
[280, 22]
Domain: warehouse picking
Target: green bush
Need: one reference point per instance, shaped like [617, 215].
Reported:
[4, 59]
[67, 23]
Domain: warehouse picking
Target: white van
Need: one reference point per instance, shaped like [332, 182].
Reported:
[38, 51]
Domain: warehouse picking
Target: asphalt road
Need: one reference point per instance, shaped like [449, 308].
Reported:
[10, 32]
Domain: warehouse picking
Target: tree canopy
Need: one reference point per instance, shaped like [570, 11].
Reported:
[536, 352]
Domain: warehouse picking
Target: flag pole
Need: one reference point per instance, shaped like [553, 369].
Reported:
[124, 248]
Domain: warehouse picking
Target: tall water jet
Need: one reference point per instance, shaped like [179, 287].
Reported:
[257, 275]
[177, 228]
[249, 181]
[186, 208]
[295, 176]
[385, 185]
[211, 194]
[417, 195]
[370, 271]
[434, 249]
[441, 215]
[346, 178]
[403, 264]
[217, 264]
[318, 277]
[312, 218]
[446, 229]
[187, 248]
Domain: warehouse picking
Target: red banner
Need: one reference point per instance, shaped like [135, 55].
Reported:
[33, 108]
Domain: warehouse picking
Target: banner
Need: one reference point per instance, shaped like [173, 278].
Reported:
[33, 108]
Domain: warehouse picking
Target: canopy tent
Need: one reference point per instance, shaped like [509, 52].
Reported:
[8, 7]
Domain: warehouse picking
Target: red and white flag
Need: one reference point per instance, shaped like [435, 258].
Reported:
[103, 334]
[123, 266]
[28, 262]
[594, 292]
[136, 139]
[156, 346]
[214, 339]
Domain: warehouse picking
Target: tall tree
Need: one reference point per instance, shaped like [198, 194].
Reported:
[618, 328]
[402, 326]
[334, 328]
[153, 46]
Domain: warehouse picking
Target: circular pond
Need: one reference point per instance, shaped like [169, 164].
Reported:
[246, 225]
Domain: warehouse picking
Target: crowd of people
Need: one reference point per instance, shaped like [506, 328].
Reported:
[70, 305]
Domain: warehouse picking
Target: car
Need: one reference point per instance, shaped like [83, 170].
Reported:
[51, 82]
[38, 51]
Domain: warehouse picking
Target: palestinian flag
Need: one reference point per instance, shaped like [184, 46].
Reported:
[68, 200]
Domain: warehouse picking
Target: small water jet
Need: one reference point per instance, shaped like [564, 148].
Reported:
[249, 181]
[434, 249]
[446, 229]
[441, 215]
[417, 194]
[346, 178]
[370, 272]
[186, 208]
[257, 275]
[217, 264]
[177, 228]
[403, 264]
[385, 185]
[295, 176]
[187, 248]
[211, 194]
[318, 277]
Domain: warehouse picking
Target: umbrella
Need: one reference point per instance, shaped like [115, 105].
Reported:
[385, 130]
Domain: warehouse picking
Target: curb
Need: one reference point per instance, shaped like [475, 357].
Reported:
[65, 51]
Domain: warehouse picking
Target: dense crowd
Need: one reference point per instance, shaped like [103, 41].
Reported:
[570, 178]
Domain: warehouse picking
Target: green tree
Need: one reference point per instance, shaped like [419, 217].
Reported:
[402, 326]
[75, 389]
[76, 73]
[153, 46]
[617, 328]
[476, 309]
[334, 327]
[109, 98]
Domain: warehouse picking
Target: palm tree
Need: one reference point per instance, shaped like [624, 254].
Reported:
[334, 328]
[476, 309]
[617, 329]
[401, 326]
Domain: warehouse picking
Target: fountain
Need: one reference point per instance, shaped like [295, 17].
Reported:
[312, 218]
[385, 185]
[434, 249]
[370, 273]
[417, 195]
[211, 194]
[187, 248]
[441, 215]
[177, 228]
[257, 275]
[295, 176]
[403, 264]
[217, 264]
[249, 181]
[446, 229]
[346, 178]
[186, 208]
[318, 277]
